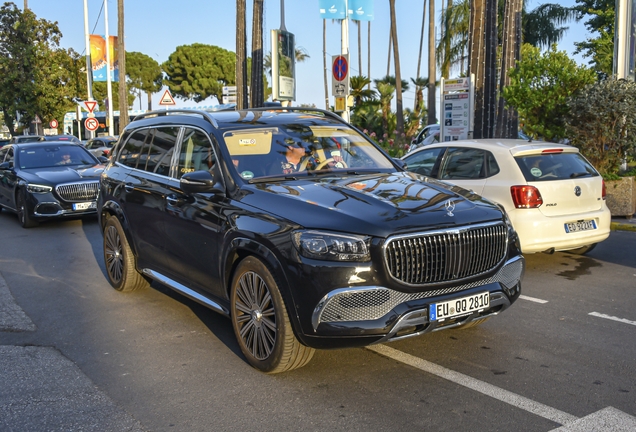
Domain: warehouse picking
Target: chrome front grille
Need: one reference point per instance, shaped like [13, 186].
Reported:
[78, 192]
[443, 256]
[371, 303]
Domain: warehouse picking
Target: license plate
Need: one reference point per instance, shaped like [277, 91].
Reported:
[584, 225]
[458, 307]
[84, 205]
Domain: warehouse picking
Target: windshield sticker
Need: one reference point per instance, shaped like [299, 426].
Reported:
[247, 142]
[535, 172]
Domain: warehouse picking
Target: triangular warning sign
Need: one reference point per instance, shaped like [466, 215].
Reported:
[167, 99]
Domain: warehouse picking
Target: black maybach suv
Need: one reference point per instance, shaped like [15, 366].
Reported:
[301, 230]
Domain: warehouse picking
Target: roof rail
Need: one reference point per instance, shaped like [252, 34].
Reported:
[206, 115]
[158, 113]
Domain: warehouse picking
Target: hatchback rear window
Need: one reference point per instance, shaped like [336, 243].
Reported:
[555, 166]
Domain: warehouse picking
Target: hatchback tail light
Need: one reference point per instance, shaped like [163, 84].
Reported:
[604, 190]
[526, 196]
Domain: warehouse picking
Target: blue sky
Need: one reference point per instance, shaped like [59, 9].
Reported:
[157, 27]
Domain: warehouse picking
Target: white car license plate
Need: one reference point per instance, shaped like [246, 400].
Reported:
[84, 205]
[584, 225]
[460, 306]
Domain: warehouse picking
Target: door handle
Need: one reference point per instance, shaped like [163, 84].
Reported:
[128, 187]
[173, 200]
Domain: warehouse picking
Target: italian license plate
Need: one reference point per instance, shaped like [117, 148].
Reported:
[84, 205]
[584, 225]
[458, 307]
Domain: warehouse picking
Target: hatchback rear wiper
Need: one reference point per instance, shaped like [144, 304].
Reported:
[579, 174]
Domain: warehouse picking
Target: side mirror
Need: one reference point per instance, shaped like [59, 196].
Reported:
[6, 165]
[400, 163]
[103, 159]
[200, 182]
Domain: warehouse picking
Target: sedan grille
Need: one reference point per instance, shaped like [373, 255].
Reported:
[77, 192]
[444, 256]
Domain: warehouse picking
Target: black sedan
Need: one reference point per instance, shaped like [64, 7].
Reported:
[44, 180]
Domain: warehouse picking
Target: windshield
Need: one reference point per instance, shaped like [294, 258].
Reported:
[54, 155]
[302, 150]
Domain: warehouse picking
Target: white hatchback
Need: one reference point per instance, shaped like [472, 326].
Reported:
[552, 194]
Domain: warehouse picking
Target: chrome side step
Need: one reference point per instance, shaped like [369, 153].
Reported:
[192, 295]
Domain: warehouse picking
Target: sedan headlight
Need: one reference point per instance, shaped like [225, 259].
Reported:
[36, 188]
[332, 246]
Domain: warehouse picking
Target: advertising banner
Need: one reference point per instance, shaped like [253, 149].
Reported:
[333, 9]
[361, 10]
[98, 58]
[283, 65]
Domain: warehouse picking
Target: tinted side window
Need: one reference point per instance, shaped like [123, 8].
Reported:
[196, 152]
[129, 154]
[423, 161]
[493, 166]
[157, 153]
[3, 153]
[462, 164]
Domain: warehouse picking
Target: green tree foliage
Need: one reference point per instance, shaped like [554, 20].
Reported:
[144, 74]
[540, 87]
[543, 26]
[199, 71]
[601, 123]
[28, 57]
[599, 49]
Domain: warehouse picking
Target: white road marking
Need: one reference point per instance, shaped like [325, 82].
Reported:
[513, 399]
[613, 318]
[532, 299]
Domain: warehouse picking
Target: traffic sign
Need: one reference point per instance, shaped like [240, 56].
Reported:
[340, 75]
[53, 124]
[167, 99]
[340, 68]
[89, 105]
[91, 124]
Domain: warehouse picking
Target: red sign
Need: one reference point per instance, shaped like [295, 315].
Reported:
[167, 99]
[340, 68]
[91, 124]
[90, 105]
[53, 124]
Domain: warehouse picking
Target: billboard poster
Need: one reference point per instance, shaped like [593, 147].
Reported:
[456, 116]
[283, 65]
[98, 57]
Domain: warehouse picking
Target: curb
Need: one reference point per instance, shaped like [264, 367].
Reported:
[618, 226]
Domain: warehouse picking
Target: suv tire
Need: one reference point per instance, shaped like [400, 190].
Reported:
[261, 323]
[120, 261]
[23, 211]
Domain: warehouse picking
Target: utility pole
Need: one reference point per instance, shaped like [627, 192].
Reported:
[89, 70]
[344, 51]
[121, 60]
[109, 85]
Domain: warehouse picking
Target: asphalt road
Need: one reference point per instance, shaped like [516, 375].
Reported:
[77, 355]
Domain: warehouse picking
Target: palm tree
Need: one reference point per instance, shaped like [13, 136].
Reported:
[359, 92]
[385, 92]
[257, 94]
[399, 112]
[431, 63]
[452, 49]
[324, 61]
[241, 56]
[419, 54]
[541, 25]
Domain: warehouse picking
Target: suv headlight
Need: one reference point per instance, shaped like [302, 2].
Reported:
[332, 246]
[36, 188]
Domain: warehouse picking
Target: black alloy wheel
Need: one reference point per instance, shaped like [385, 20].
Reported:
[119, 259]
[261, 323]
[23, 211]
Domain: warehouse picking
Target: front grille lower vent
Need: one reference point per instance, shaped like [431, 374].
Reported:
[77, 192]
[443, 256]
